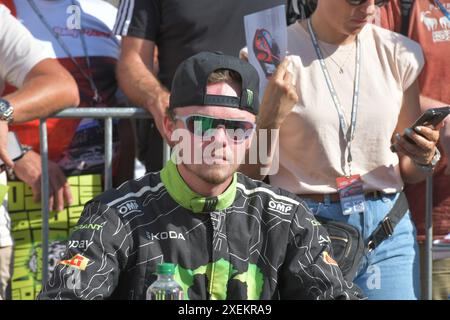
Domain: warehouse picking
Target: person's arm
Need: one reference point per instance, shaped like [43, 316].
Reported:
[136, 79]
[412, 154]
[309, 271]
[427, 103]
[47, 88]
[96, 255]
[44, 85]
[279, 99]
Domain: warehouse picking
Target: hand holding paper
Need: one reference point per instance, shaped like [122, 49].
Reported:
[279, 98]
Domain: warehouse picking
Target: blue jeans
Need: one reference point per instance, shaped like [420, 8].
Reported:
[391, 271]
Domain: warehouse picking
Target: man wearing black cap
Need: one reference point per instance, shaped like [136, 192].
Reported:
[229, 237]
[179, 29]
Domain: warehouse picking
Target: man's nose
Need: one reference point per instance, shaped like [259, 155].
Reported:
[219, 135]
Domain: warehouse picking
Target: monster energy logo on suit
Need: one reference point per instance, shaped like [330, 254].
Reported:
[222, 272]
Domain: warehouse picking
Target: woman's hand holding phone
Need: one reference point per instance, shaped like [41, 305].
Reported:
[419, 141]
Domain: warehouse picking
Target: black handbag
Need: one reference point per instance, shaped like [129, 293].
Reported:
[347, 243]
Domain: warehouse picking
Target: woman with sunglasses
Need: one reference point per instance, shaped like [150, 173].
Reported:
[357, 94]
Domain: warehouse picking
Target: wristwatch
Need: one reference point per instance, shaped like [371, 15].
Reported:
[430, 167]
[6, 111]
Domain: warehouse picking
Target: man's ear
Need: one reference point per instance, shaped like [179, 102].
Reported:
[169, 127]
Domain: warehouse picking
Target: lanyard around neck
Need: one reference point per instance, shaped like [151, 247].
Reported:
[443, 9]
[348, 132]
[96, 98]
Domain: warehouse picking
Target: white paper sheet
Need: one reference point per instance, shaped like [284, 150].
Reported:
[266, 36]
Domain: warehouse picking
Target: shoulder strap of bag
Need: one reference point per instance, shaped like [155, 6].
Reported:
[385, 228]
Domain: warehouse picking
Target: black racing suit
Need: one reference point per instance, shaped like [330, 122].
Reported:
[264, 245]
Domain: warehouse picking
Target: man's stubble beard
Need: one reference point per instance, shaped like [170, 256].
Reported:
[213, 174]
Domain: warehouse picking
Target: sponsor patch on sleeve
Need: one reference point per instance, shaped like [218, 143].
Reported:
[78, 262]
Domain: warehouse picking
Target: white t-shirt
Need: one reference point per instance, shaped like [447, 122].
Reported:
[311, 145]
[19, 53]
[95, 18]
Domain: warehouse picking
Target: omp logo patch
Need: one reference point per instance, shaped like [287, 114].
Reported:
[78, 262]
[280, 207]
[157, 236]
[128, 207]
[328, 259]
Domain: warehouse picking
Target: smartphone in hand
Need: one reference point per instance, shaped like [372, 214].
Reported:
[432, 117]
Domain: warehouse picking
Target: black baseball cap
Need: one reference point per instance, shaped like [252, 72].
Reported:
[191, 78]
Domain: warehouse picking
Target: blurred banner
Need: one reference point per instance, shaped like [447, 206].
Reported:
[26, 225]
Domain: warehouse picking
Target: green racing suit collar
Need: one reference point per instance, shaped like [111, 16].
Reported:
[187, 198]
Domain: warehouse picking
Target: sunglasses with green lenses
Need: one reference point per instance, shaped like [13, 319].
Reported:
[201, 125]
[378, 3]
